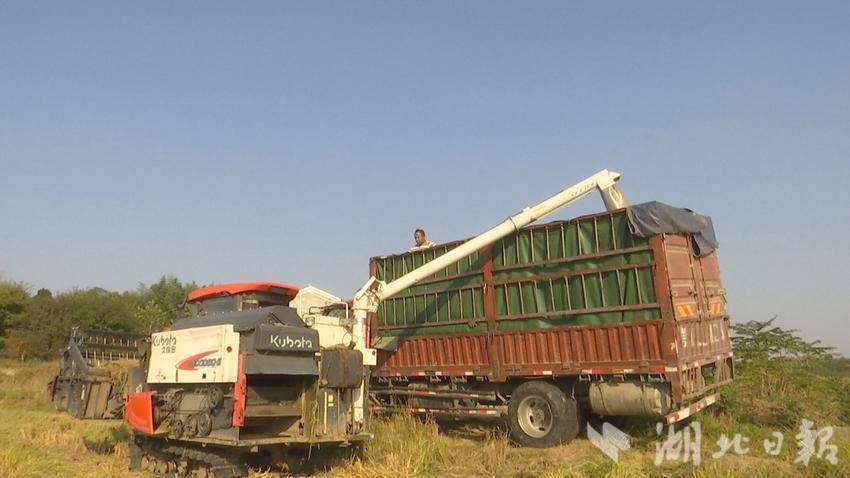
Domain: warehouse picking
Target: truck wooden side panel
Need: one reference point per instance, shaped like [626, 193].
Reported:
[563, 351]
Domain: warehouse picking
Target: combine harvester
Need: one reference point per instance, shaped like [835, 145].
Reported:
[264, 370]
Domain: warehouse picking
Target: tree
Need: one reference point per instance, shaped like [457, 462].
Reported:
[162, 303]
[13, 301]
[38, 326]
[761, 340]
[151, 317]
[781, 378]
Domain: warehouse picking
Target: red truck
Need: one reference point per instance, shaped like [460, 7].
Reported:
[620, 313]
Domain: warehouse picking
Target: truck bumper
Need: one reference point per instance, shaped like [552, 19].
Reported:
[689, 410]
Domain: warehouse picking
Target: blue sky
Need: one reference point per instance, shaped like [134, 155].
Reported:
[292, 141]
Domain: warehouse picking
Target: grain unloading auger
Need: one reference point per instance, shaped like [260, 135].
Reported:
[374, 291]
[269, 370]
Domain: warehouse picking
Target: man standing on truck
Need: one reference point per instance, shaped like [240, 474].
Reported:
[421, 240]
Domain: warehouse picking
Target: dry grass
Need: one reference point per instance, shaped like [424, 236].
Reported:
[36, 441]
[422, 450]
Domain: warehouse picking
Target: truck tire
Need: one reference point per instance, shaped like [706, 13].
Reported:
[540, 415]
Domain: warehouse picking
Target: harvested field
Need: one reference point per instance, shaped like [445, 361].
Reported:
[36, 441]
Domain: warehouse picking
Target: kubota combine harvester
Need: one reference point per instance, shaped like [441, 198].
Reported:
[268, 370]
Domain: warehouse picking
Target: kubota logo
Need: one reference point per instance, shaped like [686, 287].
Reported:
[164, 340]
[198, 360]
[287, 342]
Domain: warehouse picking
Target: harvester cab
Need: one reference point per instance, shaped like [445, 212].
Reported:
[236, 297]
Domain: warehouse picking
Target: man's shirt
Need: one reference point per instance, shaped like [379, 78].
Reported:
[425, 245]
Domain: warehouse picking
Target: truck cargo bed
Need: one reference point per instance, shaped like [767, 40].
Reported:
[583, 298]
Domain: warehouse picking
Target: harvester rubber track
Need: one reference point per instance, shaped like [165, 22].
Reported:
[185, 460]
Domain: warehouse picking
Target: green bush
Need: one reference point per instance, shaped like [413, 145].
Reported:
[781, 379]
[36, 327]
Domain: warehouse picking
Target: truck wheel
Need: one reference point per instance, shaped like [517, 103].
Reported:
[540, 415]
